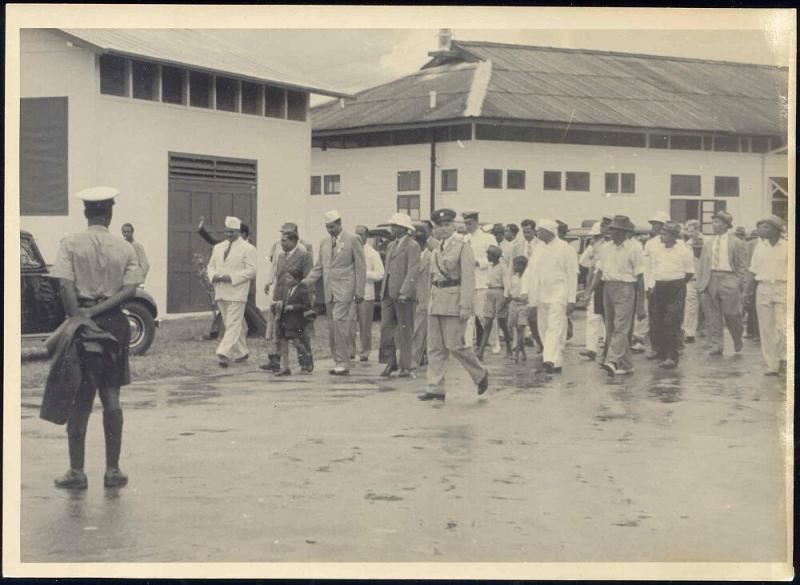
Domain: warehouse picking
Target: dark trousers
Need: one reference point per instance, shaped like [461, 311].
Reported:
[397, 331]
[667, 301]
[751, 316]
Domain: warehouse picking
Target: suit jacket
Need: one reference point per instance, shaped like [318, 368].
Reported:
[400, 273]
[343, 270]
[737, 256]
[456, 263]
[424, 279]
[240, 265]
[297, 258]
[292, 321]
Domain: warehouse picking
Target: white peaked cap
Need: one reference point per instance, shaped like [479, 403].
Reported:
[94, 194]
[547, 224]
[233, 223]
[332, 215]
[402, 219]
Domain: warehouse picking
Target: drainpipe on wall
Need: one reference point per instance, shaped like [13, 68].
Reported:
[433, 171]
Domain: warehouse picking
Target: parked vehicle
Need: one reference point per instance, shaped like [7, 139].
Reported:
[43, 309]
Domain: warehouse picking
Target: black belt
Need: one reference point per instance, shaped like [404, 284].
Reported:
[445, 283]
[86, 303]
[496, 287]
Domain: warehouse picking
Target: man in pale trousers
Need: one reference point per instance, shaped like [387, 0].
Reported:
[427, 243]
[769, 267]
[366, 310]
[479, 241]
[595, 324]
[691, 311]
[231, 268]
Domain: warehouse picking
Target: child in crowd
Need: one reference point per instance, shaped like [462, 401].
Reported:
[291, 317]
[518, 310]
[496, 299]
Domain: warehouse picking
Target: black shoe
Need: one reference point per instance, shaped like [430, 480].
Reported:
[555, 370]
[430, 396]
[611, 368]
[653, 355]
[283, 372]
[363, 358]
[114, 478]
[387, 371]
[224, 363]
[688, 339]
[74, 479]
[483, 385]
[737, 345]
[548, 367]
[244, 358]
[591, 355]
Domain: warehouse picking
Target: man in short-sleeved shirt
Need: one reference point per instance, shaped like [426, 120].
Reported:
[127, 233]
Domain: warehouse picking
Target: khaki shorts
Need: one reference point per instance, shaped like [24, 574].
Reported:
[495, 304]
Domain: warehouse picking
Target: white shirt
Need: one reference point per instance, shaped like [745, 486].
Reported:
[724, 262]
[524, 248]
[671, 263]
[480, 242]
[590, 255]
[374, 271]
[508, 252]
[272, 259]
[552, 276]
[623, 263]
[649, 249]
[770, 263]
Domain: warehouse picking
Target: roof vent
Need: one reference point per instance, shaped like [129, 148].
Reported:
[445, 37]
[432, 98]
[445, 46]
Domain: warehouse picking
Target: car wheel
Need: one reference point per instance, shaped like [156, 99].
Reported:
[143, 327]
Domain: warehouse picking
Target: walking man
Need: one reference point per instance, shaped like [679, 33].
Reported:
[419, 343]
[98, 272]
[450, 307]
[720, 280]
[144, 264]
[769, 268]
[231, 268]
[398, 297]
[653, 242]
[479, 241]
[594, 300]
[343, 270]
[691, 314]
[366, 310]
[527, 247]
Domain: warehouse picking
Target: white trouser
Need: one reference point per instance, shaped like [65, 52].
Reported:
[478, 301]
[595, 327]
[553, 330]
[691, 310]
[641, 329]
[234, 342]
[771, 309]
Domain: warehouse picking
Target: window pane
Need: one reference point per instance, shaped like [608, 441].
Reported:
[515, 179]
[578, 181]
[552, 181]
[145, 77]
[331, 184]
[172, 90]
[274, 99]
[682, 210]
[297, 101]
[708, 143]
[408, 204]
[612, 183]
[659, 141]
[316, 185]
[684, 185]
[726, 186]
[726, 143]
[251, 98]
[759, 144]
[113, 75]
[226, 94]
[43, 156]
[679, 142]
[492, 179]
[450, 180]
[408, 181]
[628, 183]
[199, 89]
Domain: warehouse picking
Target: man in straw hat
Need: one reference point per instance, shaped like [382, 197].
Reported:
[398, 296]
[343, 269]
[769, 268]
[97, 272]
[450, 306]
[230, 269]
[721, 274]
[621, 268]
[479, 241]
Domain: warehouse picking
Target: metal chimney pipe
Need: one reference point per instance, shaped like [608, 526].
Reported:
[432, 98]
[445, 36]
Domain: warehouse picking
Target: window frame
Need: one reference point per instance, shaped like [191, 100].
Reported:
[184, 75]
[209, 92]
[417, 175]
[575, 175]
[317, 183]
[517, 172]
[126, 78]
[551, 175]
[446, 187]
[720, 181]
[486, 174]
[326, 183]
[407, 208]
[672, 185]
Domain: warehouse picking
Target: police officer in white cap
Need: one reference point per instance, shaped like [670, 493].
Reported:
[98, 272]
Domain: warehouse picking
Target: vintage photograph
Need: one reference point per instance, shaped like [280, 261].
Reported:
[394, 291]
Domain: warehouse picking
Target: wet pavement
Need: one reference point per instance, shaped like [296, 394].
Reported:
[681, 465]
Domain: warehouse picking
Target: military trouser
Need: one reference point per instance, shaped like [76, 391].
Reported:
[446, 337]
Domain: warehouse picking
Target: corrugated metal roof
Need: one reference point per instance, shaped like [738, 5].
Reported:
[585, 87]
[193, 48]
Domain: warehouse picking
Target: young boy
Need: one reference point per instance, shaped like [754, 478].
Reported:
[518, 311]
[496, 299]
[290, 314]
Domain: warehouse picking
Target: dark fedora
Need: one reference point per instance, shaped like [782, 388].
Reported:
[622, 222]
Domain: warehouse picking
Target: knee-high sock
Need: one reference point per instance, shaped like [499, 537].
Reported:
[112, 426]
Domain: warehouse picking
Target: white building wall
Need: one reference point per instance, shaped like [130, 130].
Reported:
[125, 143]
[369, 180]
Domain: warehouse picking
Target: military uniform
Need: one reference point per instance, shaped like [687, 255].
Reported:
[452, 291]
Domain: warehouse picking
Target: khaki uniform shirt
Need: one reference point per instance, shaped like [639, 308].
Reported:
[452, 261]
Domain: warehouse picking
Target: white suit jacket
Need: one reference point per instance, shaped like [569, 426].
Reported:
[240, 265]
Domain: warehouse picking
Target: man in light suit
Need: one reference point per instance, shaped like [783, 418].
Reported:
[398, 296]
[343, 269]
[231, 268]
[418, 344]
[721, 278]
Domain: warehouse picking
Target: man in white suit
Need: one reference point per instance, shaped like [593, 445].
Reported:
[230, 270]
[343, 270]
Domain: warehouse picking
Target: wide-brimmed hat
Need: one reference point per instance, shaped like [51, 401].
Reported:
[402, 220]
[774, 221]
[724, 216]
[622, 222]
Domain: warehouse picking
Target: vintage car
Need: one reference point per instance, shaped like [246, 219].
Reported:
[43, 310]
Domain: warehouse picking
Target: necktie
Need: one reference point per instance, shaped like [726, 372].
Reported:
[715, 258]
[441, 247]
[227, 251]
[333, 246]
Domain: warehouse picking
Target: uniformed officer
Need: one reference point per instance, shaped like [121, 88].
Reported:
[98, 272]
[450, 306]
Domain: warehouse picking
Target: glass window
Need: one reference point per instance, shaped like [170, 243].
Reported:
[492, 179]
[275, 102]
[779, 189]
[684, 185]
[316, 185]
[199, 89]
[726, 143]
[552, 180]
[332, 184]
[408, 204]
[577, 181]
[113, 75]
[172, 85]
[408, 181]
[612, 182]
[759, 144]
[145, 80]
[659, 141]
[680, 142]
[726, 186]
[628, 183]
[297, 102]
[449, 180]
[515, 179]
[251, 98]
[227, 94]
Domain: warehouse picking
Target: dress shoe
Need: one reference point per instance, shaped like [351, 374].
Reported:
[363, 358]
[340, 372]
[668, 364]
[611, 368]
[404, 373]
[548, 367]
[244, 358]
[652, 355]
[688, 339]
[224, 362]
[430, 396]
[737, 345]
[771, 373]
[74, 479]
[483, 385]
[387, 371]
[715, 352]
[114, 478]
[283, 372]
[588, 354]
[637, 347]
[555, 370]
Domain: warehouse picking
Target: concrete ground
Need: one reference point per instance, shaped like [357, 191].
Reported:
[682, 465]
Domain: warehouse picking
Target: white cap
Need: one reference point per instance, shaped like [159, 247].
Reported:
[331, 216]
[401, 219]
[660, 216]
[547, 224]
[233, 223]
[595, 229]
[95, 194]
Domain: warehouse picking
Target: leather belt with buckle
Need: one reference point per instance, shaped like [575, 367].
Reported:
[445, 283]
